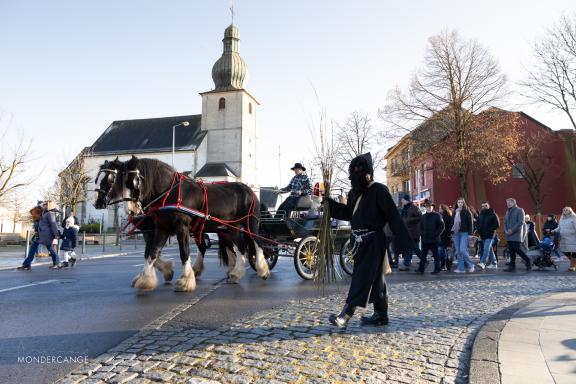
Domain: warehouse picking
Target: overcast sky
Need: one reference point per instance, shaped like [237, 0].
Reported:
[70, 68]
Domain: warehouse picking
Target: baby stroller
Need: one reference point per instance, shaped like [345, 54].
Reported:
[544, 259]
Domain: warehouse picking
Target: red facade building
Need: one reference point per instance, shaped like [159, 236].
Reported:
[557, 184]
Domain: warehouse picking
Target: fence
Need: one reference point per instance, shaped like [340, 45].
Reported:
[105, 242]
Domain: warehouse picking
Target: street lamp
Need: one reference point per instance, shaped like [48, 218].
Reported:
[184, 124]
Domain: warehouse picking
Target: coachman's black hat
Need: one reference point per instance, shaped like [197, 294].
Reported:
[298, 165]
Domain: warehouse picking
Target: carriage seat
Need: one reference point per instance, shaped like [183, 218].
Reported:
[308, 202]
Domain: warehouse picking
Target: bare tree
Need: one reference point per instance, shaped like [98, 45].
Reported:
[460, 79]
[13, 161]
[72, 181]
[533, 162]
[552, 80]
[354, 137]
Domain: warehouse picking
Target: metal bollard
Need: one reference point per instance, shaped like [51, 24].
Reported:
[120, 241]
[135, 241]
[27, 244]
[104, 242]
[83, 242]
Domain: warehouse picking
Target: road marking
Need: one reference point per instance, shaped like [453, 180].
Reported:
[28, 285]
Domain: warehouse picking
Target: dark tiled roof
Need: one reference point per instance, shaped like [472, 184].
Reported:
[149, 135]
[215, 169]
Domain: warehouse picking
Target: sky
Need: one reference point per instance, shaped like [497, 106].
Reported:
[70, 68]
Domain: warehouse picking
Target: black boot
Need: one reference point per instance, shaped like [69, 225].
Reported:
[341, 321]
[380, 316]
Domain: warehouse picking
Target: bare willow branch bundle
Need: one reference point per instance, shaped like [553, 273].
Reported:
[326, 158]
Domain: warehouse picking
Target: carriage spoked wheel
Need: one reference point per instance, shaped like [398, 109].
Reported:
[306, 257]
[270, 255]
[346, 257]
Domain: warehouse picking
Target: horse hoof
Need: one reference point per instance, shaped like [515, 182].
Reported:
[169, 278]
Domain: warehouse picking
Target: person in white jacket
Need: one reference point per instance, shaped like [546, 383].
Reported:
[567, 231]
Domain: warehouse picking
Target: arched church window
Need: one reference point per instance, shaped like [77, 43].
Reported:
[222, 103]
[250, 108]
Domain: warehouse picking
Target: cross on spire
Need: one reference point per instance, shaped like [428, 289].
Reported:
[232, 10]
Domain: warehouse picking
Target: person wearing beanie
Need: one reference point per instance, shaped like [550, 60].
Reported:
[69, 237]
[369, 208]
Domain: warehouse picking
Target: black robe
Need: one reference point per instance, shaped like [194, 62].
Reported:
[374, 211]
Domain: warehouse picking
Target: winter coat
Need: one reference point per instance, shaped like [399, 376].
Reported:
[411, 215]
[567, 230]
[431, 227]
[466, 223]
[47, 228]
[549, 226]
[531, 234]
[446, 237]
[488, 223]
[69, 236]
[514, 221]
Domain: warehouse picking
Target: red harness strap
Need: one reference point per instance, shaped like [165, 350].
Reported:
[198, 228]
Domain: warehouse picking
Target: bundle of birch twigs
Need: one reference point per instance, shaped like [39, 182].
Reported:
[326, 158]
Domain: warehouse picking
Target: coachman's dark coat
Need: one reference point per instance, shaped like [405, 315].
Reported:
[375, 210]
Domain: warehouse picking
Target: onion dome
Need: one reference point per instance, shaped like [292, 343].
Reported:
[229, 71]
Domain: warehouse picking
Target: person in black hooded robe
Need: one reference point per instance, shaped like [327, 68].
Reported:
[369, 208]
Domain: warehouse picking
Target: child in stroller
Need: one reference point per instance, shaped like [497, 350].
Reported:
[544, 260]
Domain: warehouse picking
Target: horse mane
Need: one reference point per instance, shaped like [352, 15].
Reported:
[157, 176]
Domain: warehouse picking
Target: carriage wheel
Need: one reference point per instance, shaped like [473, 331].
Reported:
[306, 257]
[270, 255]
[346, 257]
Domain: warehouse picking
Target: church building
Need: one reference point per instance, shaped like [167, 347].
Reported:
[217, 145]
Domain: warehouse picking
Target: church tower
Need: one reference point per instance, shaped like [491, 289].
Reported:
[229, 117]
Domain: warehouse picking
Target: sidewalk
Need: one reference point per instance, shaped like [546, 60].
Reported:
[12, 258]
[532, 341]
[538, 344]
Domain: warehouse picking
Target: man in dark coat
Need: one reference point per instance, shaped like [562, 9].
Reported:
[369, 208]
[48, 233]
[411, 215]
[488, 223]
[431, 227]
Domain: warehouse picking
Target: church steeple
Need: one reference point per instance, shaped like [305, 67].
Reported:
[229, 71]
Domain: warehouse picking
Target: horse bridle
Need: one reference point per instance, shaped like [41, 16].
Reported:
[108, 172]
[136, 185]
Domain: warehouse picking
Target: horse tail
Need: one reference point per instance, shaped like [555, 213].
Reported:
[223, 243]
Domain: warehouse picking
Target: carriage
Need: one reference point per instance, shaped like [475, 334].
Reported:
[297, 236]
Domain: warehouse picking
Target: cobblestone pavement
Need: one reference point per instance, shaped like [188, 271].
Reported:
[429, 339]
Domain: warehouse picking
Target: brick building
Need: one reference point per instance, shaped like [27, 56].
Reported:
[417, 177]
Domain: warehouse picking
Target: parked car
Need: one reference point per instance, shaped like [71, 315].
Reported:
[210, 239]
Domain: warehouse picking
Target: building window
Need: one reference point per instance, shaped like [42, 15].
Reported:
[250, 108]
[518, 171]
[406, 186]
[424, 175]
[222, 103]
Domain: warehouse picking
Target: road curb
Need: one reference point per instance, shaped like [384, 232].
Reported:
[484, 362]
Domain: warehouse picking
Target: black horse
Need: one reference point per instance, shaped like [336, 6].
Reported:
[110, 192]
[152, 184]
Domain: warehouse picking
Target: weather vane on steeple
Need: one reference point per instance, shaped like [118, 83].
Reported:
[232, 10]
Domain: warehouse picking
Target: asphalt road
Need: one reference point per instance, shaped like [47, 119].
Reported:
[86, 310]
